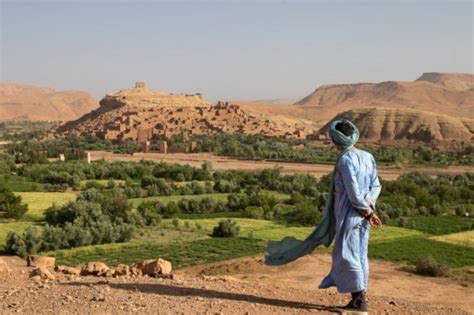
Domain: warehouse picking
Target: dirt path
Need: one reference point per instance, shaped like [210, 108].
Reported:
[243, 286]
[224, 163]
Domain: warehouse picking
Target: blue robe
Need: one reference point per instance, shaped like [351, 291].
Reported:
[357, 186]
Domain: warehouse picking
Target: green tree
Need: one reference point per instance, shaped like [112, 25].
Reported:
[10, 205]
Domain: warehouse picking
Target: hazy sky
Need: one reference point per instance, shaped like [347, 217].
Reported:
[234, 50]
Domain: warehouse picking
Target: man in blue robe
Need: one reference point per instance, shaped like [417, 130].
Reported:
[357, 187]
[347, 218]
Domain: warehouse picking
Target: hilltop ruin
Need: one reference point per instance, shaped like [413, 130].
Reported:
[143, 115]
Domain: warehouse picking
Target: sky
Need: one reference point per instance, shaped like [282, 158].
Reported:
[230, 50]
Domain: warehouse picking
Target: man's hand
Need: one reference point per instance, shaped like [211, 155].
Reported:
[375, 221]
[364, 213]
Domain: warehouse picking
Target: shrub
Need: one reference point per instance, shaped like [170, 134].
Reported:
[403, 222]
[428, 266]
[175, 222]
[435, 209]
[226, 228]
[253, 212]
[110, 184]
[10, 205]
[22, 245]
[304, 213]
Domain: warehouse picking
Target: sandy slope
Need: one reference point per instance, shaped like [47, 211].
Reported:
[25, 102]
[254, 290]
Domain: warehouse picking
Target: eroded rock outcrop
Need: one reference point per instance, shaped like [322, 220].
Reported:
[387, 126]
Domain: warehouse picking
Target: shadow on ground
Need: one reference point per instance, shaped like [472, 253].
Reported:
[171, 290]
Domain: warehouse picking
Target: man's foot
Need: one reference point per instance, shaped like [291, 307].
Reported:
[357, 306]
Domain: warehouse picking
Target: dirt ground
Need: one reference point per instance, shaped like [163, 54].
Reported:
[241, 286]
[224, 163]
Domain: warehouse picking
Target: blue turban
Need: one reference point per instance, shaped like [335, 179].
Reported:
[341, 139]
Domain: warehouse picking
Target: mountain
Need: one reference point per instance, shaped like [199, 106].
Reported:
[25, 102]
[443, 93]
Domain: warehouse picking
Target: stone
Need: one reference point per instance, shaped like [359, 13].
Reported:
[43, 273]
[4, 270]
[154, 267]
[121, 270]
[108, 274]
[40, 261]
[94, 269]
[67, 270]
[165, 266]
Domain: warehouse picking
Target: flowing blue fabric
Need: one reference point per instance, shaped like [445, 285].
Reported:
[290, 248]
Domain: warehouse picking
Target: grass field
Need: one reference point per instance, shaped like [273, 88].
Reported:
[39, 201]
[462, 238]
[438, 225]
[181, 254]
[19, 184]
[185, 247]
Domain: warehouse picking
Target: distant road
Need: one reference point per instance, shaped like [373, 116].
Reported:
[224, 163]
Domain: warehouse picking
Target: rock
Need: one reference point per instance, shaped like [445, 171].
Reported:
[98, 299]
[165, 267]
[109, 273]
[153, 267]
[121, 270]
[4, 270]
[94, 269]
[67, 270]
[40, 261]
[43, 273]
[135, 271]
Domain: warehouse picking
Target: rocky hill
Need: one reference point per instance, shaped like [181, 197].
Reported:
[24, 102]
[141, 114]
[449, 94]
[389, 126]
[451, 81]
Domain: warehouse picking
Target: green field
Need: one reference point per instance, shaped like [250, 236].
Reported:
[462, 238]
[39, 201]
[19, 184]
[185, 247]
[438, 225]
[182, 254]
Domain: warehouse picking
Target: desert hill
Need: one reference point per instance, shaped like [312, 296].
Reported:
[24, 102]
[449, 94]
[389, 125]
[451, 81]
[141, 114]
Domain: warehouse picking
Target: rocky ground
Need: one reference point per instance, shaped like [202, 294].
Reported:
[242, 286]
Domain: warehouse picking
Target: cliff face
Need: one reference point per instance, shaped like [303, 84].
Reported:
[23, 102]
[141, 114]
[389, 126]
